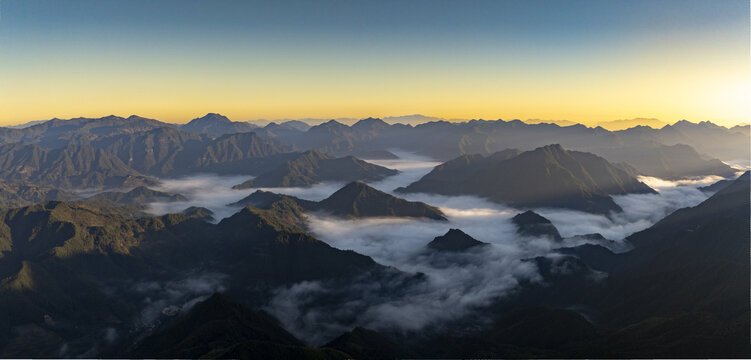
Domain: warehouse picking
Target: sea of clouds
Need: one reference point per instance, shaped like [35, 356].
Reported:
[455, 284]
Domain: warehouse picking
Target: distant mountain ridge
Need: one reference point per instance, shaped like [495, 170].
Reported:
[438, 139]
[217, 124]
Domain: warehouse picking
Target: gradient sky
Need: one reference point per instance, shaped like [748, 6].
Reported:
[175, 60]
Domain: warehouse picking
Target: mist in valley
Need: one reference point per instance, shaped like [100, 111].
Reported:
[455, 283]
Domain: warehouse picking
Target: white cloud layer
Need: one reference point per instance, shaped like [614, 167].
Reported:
[454, 283]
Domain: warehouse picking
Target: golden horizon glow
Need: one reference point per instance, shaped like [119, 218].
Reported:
[696, 72]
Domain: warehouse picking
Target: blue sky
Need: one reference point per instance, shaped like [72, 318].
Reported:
[358, 58]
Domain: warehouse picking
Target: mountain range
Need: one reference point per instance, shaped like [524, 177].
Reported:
[347, 269]
[438, 139]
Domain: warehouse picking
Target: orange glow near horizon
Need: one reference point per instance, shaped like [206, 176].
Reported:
[697, 72]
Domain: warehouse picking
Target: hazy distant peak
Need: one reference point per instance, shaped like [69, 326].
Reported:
[370, 124]
[212, 117]
[332, 122]
[296, 124]
[414, 119]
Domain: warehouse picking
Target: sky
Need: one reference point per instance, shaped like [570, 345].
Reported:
[175, 60]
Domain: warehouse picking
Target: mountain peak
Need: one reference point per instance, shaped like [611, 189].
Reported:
[357, 186]
[217, 124]
[553, 148]
[530, 223]
[454, 240]
[212, 117]
[370, 121]
[357, 199]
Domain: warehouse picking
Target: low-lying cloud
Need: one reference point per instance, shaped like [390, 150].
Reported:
[172, 297]
[457, 283]
[454, 284]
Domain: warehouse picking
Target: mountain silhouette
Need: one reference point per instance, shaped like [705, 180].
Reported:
[530, 223]
[454, 240]
[549, 176]
[357, 199]
[216, 124]
[312, 167]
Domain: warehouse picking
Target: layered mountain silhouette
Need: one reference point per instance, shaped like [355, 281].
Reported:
[99, 277]
[216, 124]
[313, 167]
[354, 200]
[549, 176]
[639, 146]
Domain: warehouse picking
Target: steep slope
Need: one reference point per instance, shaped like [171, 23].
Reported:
[55, 258]
[74, 166]
[682, 291]
[221, 328]
[312, 167]
[216, 124]
[357, 199]
[718, 185]
[706, 246]
[545, 177]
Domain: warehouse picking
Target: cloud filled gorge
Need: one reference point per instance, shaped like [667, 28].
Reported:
[452, 285]
[455, 284]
